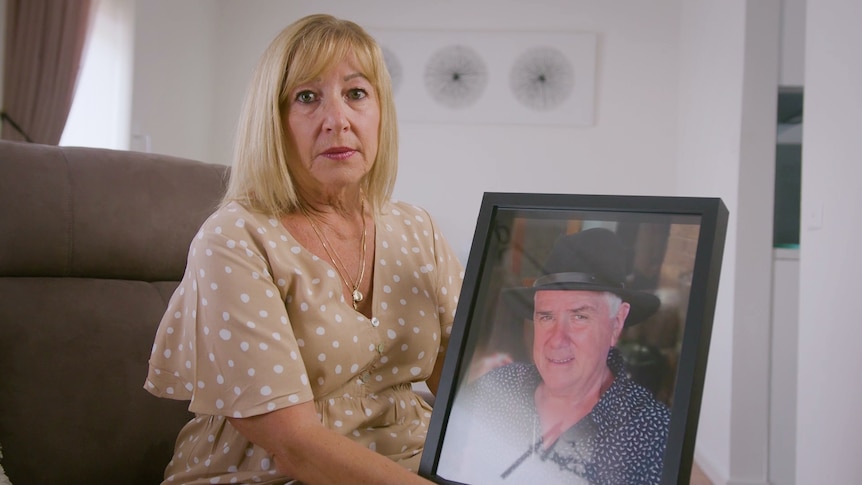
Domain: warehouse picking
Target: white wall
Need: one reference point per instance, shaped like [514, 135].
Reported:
[749, 445]
[792, 71]
[829, 422]
[728, 86]
[785, 339]
[710, 62]
[444, 168]
[174, 74]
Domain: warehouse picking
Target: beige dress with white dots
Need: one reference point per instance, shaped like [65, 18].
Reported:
[260, 323]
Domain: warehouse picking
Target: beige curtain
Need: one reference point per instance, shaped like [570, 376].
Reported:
[44, 43]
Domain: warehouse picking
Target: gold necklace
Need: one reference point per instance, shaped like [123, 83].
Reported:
[336, 260]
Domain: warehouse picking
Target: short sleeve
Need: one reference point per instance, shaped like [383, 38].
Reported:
[450, 276]
[226, 342]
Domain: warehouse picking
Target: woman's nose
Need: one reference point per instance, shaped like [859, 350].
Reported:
[335, 116]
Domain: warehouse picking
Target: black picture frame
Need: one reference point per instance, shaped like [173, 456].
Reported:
[676, 244]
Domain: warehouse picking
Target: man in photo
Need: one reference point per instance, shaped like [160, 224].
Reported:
[573, 415]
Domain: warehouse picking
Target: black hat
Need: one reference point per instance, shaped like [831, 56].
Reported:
[591, 260]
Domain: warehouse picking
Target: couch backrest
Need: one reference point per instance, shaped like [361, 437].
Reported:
[92, 244]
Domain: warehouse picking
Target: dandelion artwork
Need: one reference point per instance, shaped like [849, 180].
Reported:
[456, 76]
[492, 77]
[542, 78]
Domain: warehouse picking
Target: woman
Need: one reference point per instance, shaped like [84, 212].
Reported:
[311, 301]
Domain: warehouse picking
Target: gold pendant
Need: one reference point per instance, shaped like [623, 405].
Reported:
[357, 296]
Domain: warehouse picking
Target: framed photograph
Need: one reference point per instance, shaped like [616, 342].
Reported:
[580, 342]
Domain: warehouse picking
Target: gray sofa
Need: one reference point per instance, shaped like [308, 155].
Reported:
[92, 244]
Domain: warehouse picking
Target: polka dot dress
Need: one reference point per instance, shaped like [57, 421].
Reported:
[259, 323]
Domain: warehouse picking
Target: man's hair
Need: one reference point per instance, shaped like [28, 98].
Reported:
[260, 178]
[614, 302]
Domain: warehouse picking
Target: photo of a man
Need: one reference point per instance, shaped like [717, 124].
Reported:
[573, 414]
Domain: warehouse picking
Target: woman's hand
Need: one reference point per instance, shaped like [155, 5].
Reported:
[305, 450]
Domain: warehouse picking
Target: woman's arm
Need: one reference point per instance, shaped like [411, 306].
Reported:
[307, 451]
[450, 275]
[433, 381]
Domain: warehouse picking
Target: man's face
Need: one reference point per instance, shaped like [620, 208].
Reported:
[573, 332]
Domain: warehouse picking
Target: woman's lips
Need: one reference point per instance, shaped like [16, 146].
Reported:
[340, 153]
[565, 360]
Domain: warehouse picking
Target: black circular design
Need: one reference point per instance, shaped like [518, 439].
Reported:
[542, 78]
[456, 76]
[393, 65]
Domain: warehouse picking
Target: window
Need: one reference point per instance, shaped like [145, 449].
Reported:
[101, 109]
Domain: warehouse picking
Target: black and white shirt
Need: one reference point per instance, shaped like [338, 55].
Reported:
[496, 436]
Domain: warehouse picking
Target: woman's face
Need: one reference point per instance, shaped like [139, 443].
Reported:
[334, 123]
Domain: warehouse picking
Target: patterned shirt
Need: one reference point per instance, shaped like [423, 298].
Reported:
[496, 435]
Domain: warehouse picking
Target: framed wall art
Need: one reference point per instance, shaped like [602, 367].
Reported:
[579, 346]
[476, 77]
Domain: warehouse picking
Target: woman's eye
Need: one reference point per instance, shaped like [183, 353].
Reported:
[305, 97]
[357, 93]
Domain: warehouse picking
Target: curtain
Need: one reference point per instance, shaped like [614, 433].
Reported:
[44, 44]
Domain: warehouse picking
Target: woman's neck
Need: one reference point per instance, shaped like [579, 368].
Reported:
[345, 203]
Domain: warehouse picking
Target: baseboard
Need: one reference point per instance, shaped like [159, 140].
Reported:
[709, 469]
[716, 476]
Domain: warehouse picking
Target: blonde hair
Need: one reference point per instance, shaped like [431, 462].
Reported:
[260, 178]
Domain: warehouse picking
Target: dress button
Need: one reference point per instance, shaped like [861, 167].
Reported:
[380, 348]
[374, 321]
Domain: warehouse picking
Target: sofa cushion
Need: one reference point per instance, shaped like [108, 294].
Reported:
[100, 213]
[92, 244]
[73, 354]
